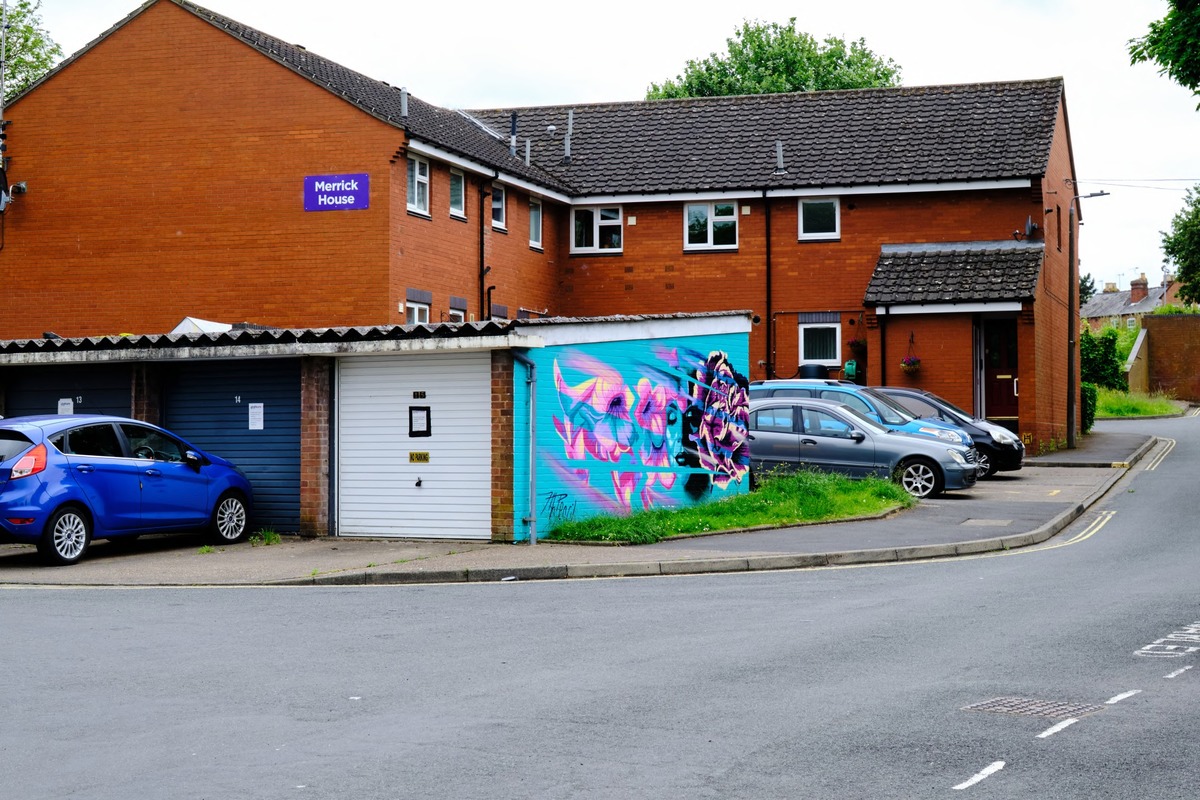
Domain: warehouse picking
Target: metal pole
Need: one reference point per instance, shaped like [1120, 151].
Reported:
[1072, 325]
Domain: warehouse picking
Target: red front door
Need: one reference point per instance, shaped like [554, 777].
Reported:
[1001, 386]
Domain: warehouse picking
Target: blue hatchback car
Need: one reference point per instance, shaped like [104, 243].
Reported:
[68, 479]
[875, 405]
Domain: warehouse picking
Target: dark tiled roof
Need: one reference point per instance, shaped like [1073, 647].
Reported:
[920, 134]
[844, 138]
[1116, 304]
[962, 272]
[444, 127]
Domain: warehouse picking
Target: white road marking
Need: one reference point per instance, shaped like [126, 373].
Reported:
[1177, 673]
[995, 766]
[1122, 696]
[1066, 723]
[1158, 459]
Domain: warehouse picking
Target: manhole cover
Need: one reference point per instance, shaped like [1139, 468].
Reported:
[1034, 708]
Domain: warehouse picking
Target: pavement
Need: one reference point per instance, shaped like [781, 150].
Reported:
[1009, 510]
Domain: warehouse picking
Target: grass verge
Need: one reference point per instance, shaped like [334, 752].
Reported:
[779, 500]
[1110, 403]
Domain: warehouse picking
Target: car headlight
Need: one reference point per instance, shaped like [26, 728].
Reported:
[957, 456]
[1005, 436]
[942, 433]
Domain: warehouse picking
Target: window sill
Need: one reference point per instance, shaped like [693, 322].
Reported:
[593, 253]
[459, 217]
[500, 229]
[833, 237]
[718, 249]
[413, 212]
[537, 248]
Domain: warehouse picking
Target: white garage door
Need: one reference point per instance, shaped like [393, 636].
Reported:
[392, 483]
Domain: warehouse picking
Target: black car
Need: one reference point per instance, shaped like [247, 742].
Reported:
[999, 448]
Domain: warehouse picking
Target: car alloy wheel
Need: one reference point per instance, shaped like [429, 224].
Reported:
[66, 538]
[229, 519]
[919, 478]
[983, 464]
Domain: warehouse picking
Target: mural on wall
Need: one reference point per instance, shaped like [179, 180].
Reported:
[660, 433]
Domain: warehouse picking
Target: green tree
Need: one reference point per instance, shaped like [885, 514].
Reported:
[1174, 44]
[1087, 288]
[1181, 246]
[1099, 362]
[766, 58]
[29, 50]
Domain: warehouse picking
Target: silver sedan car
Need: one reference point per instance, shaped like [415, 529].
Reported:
[791, 433]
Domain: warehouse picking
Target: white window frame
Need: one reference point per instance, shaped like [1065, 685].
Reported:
[598, 226]
[1130, 323]
[499, 203]
[535, 213]
[459, 211]
[710, 218]
[835, 361]
[456, 315]
[416, 313]
[833, 235]
[417, 182]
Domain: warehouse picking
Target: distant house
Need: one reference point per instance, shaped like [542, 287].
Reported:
[1125, 309]
[186, 165]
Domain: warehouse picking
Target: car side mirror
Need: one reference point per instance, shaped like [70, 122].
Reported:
[193, 460]
[858, 436]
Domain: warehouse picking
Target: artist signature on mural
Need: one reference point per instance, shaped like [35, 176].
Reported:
[557, 507]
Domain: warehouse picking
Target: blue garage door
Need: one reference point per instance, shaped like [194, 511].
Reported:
[90, 388]
[249, 412]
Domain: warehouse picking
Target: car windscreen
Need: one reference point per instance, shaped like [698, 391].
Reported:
[890, 411]
[12, 444]
[954, 410]
[860, 419]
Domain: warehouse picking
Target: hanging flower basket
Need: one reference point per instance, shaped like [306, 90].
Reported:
[857, 346]
[910, 365]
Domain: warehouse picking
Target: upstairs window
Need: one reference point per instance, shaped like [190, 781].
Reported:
[596, 229]
[710, 226]
[458, 194]
[416, 313]
[418, 185]
[498, 208]
[820, 219]
[535, 223]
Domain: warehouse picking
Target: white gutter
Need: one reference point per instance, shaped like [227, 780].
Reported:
[947, 308]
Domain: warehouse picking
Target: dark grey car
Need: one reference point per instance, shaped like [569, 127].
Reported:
[805, 433]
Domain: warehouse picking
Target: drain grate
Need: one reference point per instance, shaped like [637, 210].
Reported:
[1034, 708]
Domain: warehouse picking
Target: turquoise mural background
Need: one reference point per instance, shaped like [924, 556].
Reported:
[630, 425]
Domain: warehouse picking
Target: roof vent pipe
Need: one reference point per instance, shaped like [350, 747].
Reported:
[404, 102]
[780, 169]
[512, 134]
[567, 138]
[527, 145]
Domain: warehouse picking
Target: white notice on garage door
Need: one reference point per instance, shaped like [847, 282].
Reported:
[66, 405]
[256, 416]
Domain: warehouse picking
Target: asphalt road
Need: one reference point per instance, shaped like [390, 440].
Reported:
[828, 683]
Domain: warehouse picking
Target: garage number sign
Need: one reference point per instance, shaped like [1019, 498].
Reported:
[336, 192]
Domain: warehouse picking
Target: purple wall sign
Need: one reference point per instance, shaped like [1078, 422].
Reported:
[336, 192]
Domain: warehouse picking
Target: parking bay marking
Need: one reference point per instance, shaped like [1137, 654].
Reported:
[995, 766]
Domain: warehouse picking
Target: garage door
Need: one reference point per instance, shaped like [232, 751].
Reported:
[82, 389]
[414, 446]
[249, 412]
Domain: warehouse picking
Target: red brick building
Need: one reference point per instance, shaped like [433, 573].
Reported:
[183, 164]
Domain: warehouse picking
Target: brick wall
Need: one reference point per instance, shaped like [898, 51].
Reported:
[316, 376]
[502, 446]
[1173, 342]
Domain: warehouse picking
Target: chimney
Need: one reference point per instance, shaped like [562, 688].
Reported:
[1110, 287]
[1138, 289]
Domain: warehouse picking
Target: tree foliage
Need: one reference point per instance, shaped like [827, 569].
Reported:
[1173, 43]
[1181, 246]
[29, 50]
[767, 58]
[1087, 288]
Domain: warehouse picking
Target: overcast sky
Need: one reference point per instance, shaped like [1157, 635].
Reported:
[1135, 133]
